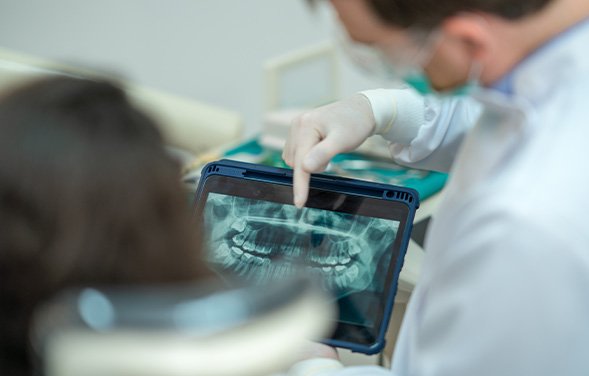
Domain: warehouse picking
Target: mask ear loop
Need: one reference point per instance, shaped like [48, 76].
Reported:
[475, 72]
[428, 42]
[476, 68]
[425, 45]
[364, 57]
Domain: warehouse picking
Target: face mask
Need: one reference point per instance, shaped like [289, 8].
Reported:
[404, 63]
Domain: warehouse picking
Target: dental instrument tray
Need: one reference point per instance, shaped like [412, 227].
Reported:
[352, 236]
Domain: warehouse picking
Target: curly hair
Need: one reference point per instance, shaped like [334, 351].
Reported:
[88, 196]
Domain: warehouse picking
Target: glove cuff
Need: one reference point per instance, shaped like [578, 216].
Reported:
[398, 113]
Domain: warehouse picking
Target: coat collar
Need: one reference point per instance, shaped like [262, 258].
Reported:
[561, 59]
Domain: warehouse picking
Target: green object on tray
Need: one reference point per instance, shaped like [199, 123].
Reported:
[352, 165]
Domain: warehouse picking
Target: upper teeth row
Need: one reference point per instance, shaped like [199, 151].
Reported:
[332, 260]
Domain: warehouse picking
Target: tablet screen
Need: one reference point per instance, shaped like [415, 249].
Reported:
[349, 242]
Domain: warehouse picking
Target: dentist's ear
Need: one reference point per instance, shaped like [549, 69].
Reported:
[474, 32]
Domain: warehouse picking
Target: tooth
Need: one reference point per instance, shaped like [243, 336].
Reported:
[352, 273]
[333, 280]
[258, 260]
[269, 272]
[297, 252]
[228, 262]
[328, 284]
[239, 225]
[353, 250]
[340, 281]
[312, 257]
[261, 276]
[331, 260]
[287, 270]
[248, 246]
[340, 268]
[237, 251]
[265, 250]
[223, 251]
[296, 249]
[273, 239]
[245, 270]
[345, 260]
[239, 239]
[279, 271]
[240, 268]
[226, 256]
[326, 269]
[247, 256]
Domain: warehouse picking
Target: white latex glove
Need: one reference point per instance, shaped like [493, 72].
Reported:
[316, 359]
[318, 350]
[318, 135]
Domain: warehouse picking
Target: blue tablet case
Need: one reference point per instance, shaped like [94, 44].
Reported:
[407, 198]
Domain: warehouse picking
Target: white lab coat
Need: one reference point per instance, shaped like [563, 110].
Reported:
[504, 288]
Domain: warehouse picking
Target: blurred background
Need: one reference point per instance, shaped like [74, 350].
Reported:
[218, 52]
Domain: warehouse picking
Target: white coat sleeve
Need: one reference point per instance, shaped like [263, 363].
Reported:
[424, 132]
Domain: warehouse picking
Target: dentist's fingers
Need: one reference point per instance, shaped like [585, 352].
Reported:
[313, 159]
[319, 156]
[300, 186]
[301, 175]
[290, 146]
[318, 135]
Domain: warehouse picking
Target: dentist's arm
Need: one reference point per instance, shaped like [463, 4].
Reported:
[424, 132]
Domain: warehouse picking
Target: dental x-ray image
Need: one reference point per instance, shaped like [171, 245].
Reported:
[262, 240]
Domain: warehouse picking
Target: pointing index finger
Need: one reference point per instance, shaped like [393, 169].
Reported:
[301, 180]
[301, 176]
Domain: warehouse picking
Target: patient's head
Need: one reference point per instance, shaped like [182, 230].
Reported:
[88, 196]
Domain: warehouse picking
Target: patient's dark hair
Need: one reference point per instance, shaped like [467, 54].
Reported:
[88, 196]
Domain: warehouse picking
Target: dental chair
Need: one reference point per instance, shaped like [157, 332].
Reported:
[180, 331]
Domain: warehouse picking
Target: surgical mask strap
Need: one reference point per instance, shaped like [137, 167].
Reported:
[475, 72]
[428, 47]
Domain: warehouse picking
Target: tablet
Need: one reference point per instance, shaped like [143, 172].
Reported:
[352, 235]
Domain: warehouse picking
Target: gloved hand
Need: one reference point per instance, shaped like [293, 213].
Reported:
[318, 135]
[315, 350]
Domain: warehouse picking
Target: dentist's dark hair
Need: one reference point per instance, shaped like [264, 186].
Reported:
[88, 196]
[428, 14]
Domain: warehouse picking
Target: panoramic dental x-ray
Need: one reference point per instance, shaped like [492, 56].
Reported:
[261, 241]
